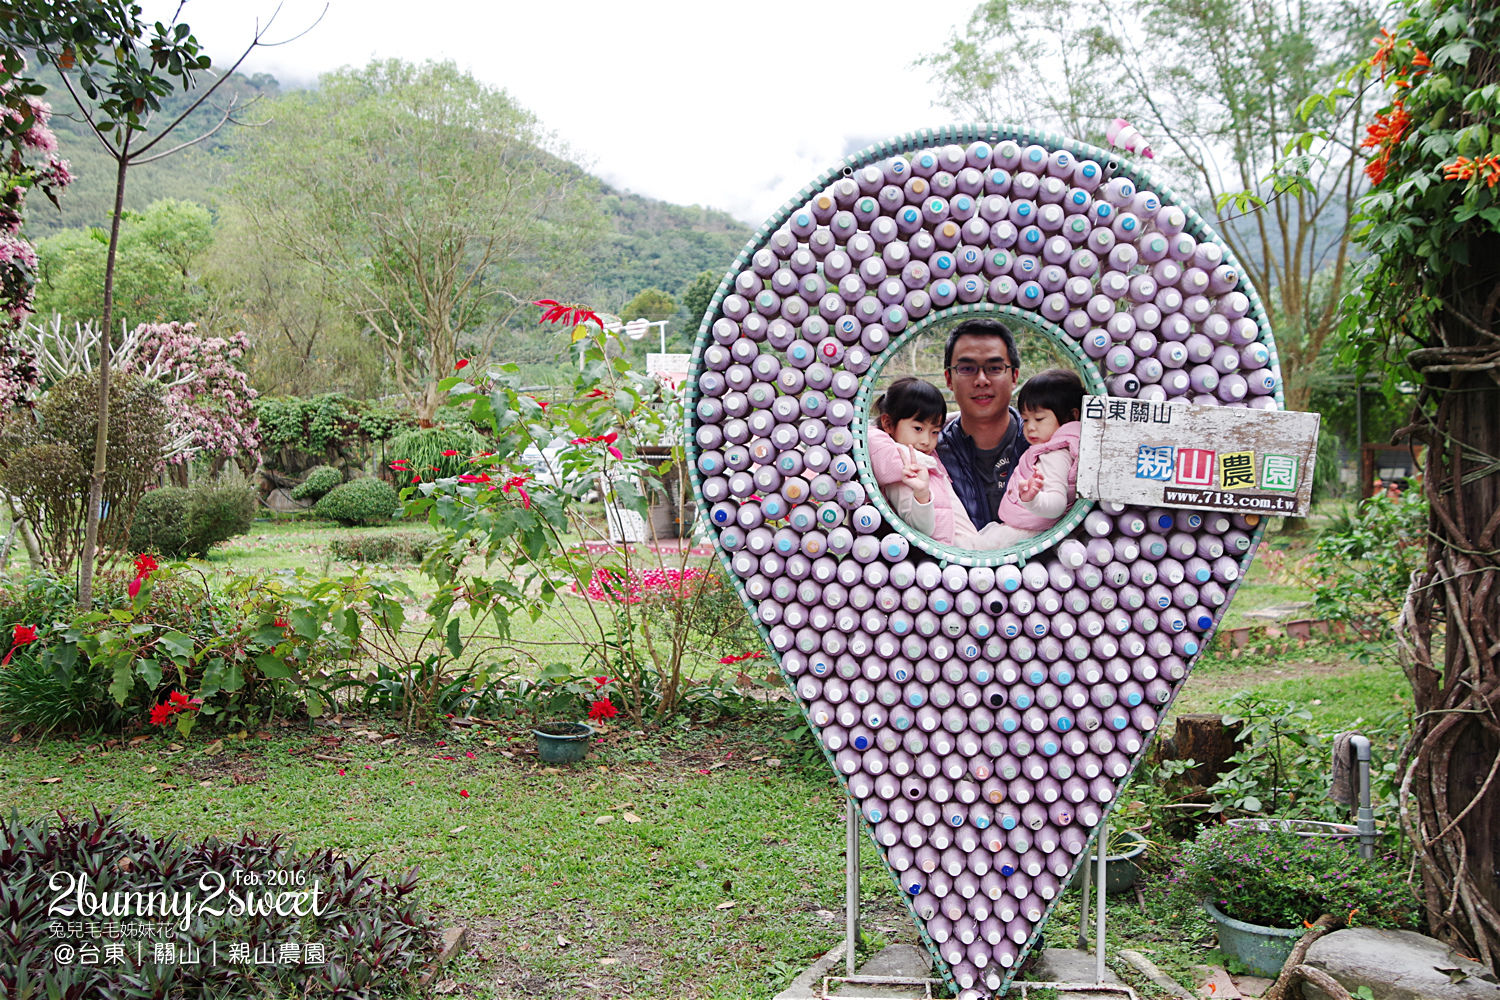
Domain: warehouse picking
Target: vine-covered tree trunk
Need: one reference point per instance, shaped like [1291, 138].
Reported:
[1451, 795]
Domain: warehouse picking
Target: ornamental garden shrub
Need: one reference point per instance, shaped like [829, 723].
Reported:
[300, 433]
[107, 670]
[1279, 879]
[360, 502]
[161, 522]
[318, 482]
[175, 521]
[383, 546]
[49, 463]
[219, 510]
[364, 934]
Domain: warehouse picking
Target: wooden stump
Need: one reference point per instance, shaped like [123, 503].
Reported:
[1203, 737]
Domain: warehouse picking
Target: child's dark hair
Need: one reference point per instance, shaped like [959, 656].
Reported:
[910, 399]
[1057, 389]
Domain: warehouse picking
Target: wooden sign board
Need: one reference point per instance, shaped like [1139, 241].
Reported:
[1201, 457]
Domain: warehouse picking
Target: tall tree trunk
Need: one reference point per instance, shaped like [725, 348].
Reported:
[1451, 791]
[101, 435]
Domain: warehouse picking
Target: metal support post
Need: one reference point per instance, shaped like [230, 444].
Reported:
[1365, 817]
[851, 886]
[1083, 908]
[1101, 846]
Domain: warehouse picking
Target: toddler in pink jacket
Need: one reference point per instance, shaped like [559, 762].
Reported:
[1045, 481]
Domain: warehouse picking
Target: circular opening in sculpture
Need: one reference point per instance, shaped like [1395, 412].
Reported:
[914, 380]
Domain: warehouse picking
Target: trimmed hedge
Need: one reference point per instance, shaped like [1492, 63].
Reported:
[384, 547]
[360, 501]
[318, 482]
[174, 521]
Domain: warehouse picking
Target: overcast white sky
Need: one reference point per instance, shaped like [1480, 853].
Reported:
[734, 106]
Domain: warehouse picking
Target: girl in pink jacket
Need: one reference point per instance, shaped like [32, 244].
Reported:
[1045, 481]
[903, 457]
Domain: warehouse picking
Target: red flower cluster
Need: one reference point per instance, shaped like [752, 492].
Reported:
[608, 585]
[144, 567]
[518, 484]
[21, 635]
[568, 313]
[176, 702]
[1463, 169]
[1384, 134]
[460, 364]
[603, 709]
[741, 657]
[608, 439]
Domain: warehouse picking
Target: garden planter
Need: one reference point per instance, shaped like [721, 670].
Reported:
[1121, 869]
[563, 742]
[1263, 950]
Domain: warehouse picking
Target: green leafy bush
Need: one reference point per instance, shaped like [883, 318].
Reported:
[360, 501]
[49, 463]
[318, 482]
[176, 521]
[429, 448]
[299, 433]
[1279, 879]
[374, 935]
[49, 697]
[1365, 559]
[384, 547]
[219, 510]
[161, 522]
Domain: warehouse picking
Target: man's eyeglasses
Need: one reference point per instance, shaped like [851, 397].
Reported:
[966, 370]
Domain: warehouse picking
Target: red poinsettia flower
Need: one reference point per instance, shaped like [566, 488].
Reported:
[449, 452]
[518, 484]
[600, 681]
[144, 565]
[460, 364]
[463, 793]
[161, 714]
[608, 439]
[133, 588]
[20, 636]
[416, 477]
[602, 709]
[567, 313]
[474, 477]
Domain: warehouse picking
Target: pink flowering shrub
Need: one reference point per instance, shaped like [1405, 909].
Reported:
[209, 399]
[610, 585]
[28, 159]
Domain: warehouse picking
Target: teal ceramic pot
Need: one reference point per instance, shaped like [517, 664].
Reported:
[563, 742]
[1264, 950]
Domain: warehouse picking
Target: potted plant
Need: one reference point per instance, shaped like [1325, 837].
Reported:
[564, 742]
[1262, 888]
[1122, 858]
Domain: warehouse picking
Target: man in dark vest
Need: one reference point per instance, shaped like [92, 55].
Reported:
[981, 445]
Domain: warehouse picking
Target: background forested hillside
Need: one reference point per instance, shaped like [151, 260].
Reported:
[642, 246]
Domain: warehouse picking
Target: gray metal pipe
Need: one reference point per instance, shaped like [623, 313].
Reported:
[1365, 817]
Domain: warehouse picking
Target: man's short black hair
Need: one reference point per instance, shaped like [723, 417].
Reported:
[981, 326]
[1057, 389]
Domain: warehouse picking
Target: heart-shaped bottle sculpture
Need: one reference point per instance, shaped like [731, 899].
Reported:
[982, 709]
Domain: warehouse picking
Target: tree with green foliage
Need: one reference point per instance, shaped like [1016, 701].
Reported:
[156, 268]
[650, 303]
[306, 343]
[1220, 89]
[697, 296]
[116, 70]
[1427, 310]
[433, 202]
